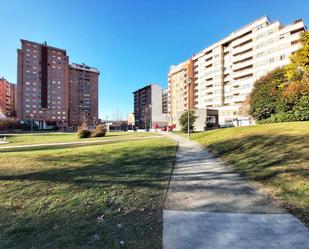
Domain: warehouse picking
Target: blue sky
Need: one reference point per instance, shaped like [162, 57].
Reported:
[132, 42]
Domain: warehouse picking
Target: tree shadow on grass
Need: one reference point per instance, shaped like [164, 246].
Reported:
[130, 168]
[257, 153]
[59, 207]
[279, 161]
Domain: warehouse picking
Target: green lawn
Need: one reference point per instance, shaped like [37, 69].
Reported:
[38, 138]
[276, 156]
[85, 197]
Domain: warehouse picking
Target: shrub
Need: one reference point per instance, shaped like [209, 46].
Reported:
[100, 131]
[265, 94]
[301, 109]
[280, 117]
[183, 121]
[83, 133]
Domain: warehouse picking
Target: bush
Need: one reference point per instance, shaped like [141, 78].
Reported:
[265, 94]
[183, 121]
[100, 131]
[301, 109]
[280, 117]
[84, 133]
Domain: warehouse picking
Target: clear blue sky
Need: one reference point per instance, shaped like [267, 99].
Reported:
[132, 42]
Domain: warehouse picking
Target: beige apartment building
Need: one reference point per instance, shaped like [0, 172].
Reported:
[224, 73]
[179, 94]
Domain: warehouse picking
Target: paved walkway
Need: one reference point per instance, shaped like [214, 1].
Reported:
[210, 206]
[76, 143]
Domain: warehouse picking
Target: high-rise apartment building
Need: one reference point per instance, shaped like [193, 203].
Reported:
[50, 91]
[180, 89]
[7, 99]
[42, 84]
[165, 101]
[224, 73]
[148, 107]
[83, 94]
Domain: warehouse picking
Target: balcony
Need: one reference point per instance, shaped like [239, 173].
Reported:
[244, 64]
[241, 49]
[242, 56]
[241, 40]
[241, 73]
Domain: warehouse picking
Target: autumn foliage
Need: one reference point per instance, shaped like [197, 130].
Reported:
[283, 94]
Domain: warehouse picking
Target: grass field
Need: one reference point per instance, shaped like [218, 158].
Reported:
[38, 138]
[98, 196]
[276, 156]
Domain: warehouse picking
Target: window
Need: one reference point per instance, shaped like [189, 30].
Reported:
[259, 36]
[281, 37]
[271, 60]
[260, 54]
[270, 32]
[260, 27]
[260, 45]
[282, 57]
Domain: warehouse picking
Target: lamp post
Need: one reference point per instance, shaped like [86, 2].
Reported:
[31, 123]
[188, 81]
[150, 117]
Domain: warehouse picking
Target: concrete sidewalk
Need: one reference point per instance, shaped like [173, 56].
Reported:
[210, 206]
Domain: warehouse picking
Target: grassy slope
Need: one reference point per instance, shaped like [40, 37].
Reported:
[56, 198]
[37, 138]
[274, 155]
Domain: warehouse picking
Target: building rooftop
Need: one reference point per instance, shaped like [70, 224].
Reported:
[43, 44]
[84, 67]
[149, 85]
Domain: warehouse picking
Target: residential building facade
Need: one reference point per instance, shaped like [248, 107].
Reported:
[52, 93]
[165, 101]
[180, 89]
[83, 95]
[7, 99]
[131, 119]
[224, 73]
[148, 107]
[42, 85]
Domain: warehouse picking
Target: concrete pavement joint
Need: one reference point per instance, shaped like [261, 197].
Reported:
[208, 205]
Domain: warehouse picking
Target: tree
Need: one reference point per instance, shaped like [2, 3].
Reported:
[283, 94]
[265, 94]
[244, 109]
[183, 120]
[291, 95]
[299, 67]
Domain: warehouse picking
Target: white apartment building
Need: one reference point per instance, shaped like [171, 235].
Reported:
[224, 73]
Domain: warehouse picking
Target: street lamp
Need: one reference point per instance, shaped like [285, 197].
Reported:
[188, 81]
[31, 123]
[150, 117]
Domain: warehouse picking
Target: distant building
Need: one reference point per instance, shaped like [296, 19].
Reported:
[148, 107]
[165, 101]
[7, 99]
[131, 119]
[83, 94]
[42, 85]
